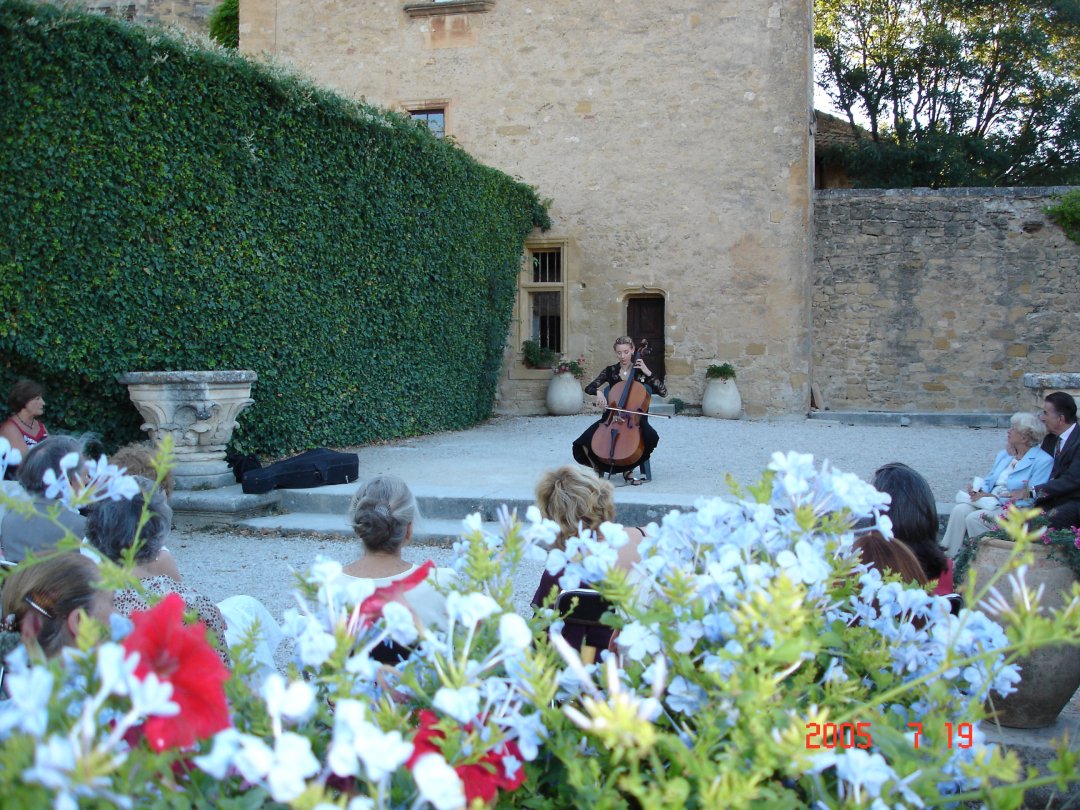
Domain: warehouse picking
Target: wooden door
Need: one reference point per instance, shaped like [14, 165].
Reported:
[645, 319]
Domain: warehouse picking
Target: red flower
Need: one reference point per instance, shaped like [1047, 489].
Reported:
[481, 779]
[368, 611]
[180, 654]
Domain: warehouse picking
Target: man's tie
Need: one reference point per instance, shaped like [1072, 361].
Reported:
[1057, 449]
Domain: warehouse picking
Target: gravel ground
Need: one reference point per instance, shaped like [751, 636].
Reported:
[510, 452]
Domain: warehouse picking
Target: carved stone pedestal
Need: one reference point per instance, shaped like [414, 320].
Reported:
[1043, 384]
[199, 410]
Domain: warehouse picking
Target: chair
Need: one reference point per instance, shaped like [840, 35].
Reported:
[581, 610]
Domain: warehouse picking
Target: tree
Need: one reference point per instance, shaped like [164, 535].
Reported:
[956, 92]
[225, 24]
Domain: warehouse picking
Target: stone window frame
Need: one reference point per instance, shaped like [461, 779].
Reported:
[434, 8]
[523, 307]
[429, 104]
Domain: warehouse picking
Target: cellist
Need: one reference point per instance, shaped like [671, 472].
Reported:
[624, 352]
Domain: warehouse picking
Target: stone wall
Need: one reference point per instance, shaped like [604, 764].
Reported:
[672, 136]
[940, 300]
[192, 16]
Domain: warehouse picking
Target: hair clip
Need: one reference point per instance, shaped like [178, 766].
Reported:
[8, 623]
[37, 607]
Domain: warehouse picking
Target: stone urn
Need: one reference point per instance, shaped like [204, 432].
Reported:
[1050, 676]
[564, 396]
[721, 399]
[199, 410]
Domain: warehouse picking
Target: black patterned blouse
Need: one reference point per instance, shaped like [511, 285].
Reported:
[610, 376]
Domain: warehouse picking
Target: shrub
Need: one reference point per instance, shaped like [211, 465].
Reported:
[575, 367]
[536, 356]
[169, 207]
[225, 24]
[722, 372]
[1067, 213]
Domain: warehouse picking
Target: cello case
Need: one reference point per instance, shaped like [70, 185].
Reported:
[315, 468]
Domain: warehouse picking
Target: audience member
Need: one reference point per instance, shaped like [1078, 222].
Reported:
[23, 429]
[1020, 467]
[137, 459]
[889, 557]
[45, 602]
[20, 533]
[1060, 496]
[113, 527]
[383, 514]
[913, 512]
[577, 498]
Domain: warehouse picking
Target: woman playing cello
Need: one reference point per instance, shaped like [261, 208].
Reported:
[619, 372]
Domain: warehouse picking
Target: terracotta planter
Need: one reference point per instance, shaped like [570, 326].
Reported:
[1050, 676]
[721, 399]
[199, 410]
[564, 395]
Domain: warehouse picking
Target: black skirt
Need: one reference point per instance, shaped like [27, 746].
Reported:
[583, 453]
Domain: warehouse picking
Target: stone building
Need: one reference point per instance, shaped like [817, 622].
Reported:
[192, 16]
[673, 138]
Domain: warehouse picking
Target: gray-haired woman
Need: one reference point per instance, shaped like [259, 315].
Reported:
[23, 533]
[383, 514]
[1018, 468]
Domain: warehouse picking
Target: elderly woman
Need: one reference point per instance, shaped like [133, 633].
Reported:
[113, 528]
[576, 499]
[20, 533]
[1020, 467]
[913, 512]
[383, 514]
[44, 603]
[23, 429]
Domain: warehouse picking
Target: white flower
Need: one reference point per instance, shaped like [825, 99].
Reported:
[805, 564]
[462, 704]
[220, 758]
[514, 634]
[471, 608]
[639, 640]
[295, 702]
[684, 696]
[400, 623]
[282, 769]
[438, 783]
[27, 709]
[54, 761]
[355, 740]
[293, 763]
[151, 696]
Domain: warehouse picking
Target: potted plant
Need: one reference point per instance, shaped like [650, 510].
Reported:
[721, 399]
[564, 395]
[1050, 676]
[536, 356]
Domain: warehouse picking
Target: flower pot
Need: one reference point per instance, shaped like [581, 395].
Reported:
[721, 399]
[564, 395]
[1050, 676]
[199, 410]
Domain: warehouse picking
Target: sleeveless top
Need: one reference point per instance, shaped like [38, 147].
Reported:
[41, 435]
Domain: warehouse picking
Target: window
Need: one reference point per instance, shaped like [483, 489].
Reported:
[543, 287]
[435, 119]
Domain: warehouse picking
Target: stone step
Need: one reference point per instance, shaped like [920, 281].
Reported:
[901, 419]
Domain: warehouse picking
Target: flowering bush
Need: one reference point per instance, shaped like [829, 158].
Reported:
[760, 664]
[575, 367]
[1063, 545]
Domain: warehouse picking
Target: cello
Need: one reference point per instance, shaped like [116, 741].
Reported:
[618, 440]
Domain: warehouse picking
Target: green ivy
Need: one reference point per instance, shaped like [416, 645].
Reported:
[169, 207]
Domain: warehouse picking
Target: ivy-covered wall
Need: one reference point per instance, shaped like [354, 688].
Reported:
[165, 207]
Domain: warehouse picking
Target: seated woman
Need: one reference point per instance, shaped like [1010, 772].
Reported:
[1020, 467]
[44, 603]
[21, 534]
[616, 373]
[23, 429]
[113, 527]
[136, 459]
[914, 517]
[383, 514]
[889, 557]
[574, 497]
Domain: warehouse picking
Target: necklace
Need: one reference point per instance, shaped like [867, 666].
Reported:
[29, 427]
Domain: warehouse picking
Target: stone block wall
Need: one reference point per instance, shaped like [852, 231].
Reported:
[930, 300]
[192, 16]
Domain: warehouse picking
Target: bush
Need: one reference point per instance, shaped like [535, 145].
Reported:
[721, 372]
[168, 207]
[1067, 213]
[225, 24]
[536, 356]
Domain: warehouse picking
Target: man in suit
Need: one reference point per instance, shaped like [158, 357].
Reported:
[1060, 496]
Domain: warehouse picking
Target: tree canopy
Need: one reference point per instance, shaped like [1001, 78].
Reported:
[955, 92]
